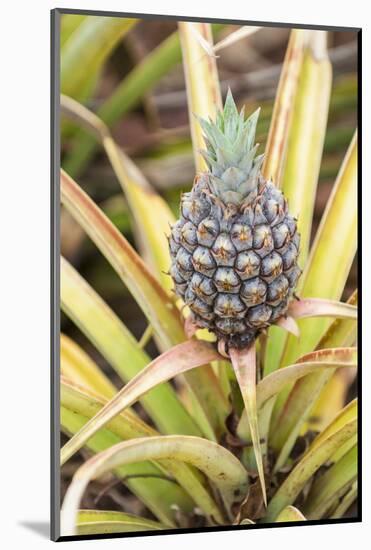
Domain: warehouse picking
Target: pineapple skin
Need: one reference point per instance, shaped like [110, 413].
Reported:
[235, 248]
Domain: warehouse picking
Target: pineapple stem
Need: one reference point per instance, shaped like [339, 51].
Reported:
[244, 366]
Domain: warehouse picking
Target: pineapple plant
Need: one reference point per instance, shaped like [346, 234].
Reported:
[235, 247]
[234, 441]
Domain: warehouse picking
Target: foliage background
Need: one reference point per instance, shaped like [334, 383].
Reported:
[154, 132]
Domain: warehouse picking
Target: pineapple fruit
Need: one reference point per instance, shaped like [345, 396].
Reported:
[235, 248]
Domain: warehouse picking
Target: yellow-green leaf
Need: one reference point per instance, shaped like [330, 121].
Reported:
[69, 23]
[203, 91]
[332, 254]
[86, 50]
[290, 513]
[331, 485]
[275, 150]
[305, 469]
[97, 522]
[77, 366]
[347, 414]
[79, 400]
[244, 366]
[306, 136]
[345, 502]
[300, 402]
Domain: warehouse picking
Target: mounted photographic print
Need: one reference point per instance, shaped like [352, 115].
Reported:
[204, 236]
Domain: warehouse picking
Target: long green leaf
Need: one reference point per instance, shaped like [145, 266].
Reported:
[222, 468]
[300, 403]
[201, 75]
[244, 366]
[81, 369]
[69, 23]
[304, 470]
[87, 49]
[97, 522]
[84, 402]
[332, 254]
[275, 150]
[347, 414]
[179, 359]
[306, 136]
[280, 148]
[332, 484]
[345, 502]
[110, 336]
[290, 513]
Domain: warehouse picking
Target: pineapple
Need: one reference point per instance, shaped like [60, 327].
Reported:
[235, 248]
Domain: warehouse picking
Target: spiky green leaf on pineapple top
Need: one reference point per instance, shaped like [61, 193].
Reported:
[234, 249]
[231, 153]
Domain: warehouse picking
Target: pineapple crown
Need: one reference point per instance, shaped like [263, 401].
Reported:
[230, 153]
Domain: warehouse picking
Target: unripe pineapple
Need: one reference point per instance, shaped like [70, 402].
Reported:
[234, 249]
